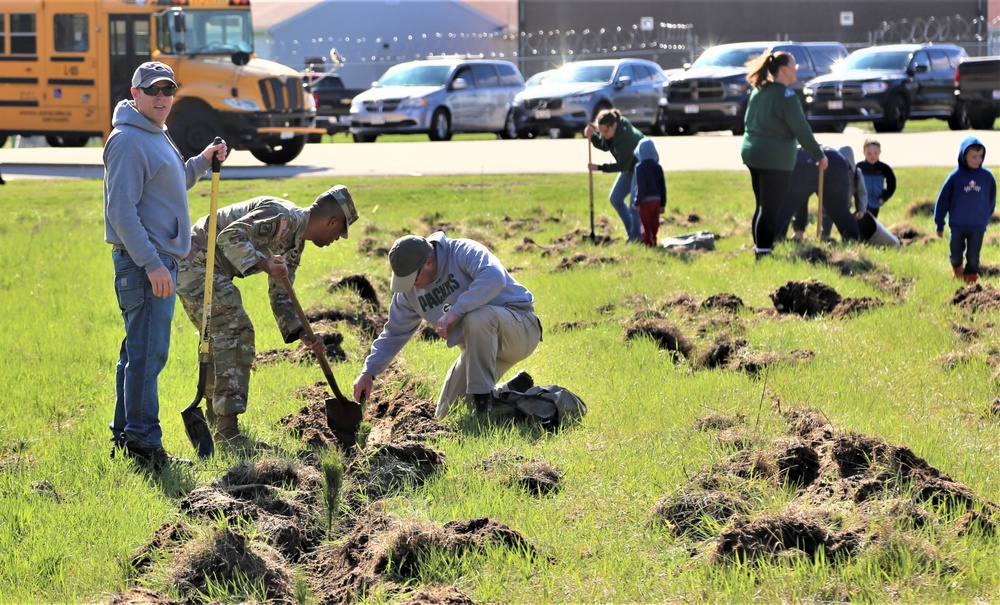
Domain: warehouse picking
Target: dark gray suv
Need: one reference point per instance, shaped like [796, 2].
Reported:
[888, 85]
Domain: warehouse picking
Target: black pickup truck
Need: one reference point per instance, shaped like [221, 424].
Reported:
[333, 102]
[979, 90]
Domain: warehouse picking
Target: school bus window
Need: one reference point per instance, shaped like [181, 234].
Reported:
[70, 33]
[23, 34]
[3, 34]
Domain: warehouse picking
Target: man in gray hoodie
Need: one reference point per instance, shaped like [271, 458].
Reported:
[148, 224]
[463, 290]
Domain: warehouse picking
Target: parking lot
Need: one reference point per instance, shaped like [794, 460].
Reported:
[537, 156]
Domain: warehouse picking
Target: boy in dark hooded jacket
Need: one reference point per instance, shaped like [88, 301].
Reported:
[968, 198]
[651, 190]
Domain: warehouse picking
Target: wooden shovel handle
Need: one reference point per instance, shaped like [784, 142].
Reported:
[323, 362]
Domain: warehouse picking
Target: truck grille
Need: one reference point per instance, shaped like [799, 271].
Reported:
[683, 91]
[382, 105]
[282, 96]
[837, 90]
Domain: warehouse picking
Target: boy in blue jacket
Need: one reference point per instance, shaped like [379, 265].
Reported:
[651, 190]
[968, 198]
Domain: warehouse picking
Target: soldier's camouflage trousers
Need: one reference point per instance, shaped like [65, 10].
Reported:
[231, 335]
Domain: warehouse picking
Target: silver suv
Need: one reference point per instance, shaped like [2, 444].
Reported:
[439, 97]
[572, 96]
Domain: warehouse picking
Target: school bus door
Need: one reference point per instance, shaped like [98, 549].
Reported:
[128, 46]
[71, 93]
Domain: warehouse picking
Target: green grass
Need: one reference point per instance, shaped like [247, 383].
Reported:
[70, 518]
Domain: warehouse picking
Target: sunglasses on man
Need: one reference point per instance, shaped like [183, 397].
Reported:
[152, 91]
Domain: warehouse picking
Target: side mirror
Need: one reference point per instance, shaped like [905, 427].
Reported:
[240, 58]
[623, 82]
[920, 68]
[459, 84]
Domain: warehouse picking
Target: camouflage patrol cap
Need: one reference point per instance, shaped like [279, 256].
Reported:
[342, 196]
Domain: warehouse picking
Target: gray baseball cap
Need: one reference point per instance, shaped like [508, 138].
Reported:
[406, 257]
[151, 72]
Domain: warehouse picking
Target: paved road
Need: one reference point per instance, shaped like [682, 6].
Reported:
[539, 156]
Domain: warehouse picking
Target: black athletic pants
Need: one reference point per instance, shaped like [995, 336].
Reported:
[769, 188]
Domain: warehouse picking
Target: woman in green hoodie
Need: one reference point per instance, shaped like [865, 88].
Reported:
[616, 134]
[774, 122]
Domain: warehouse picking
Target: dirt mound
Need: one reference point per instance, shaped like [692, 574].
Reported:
[370, 322]
[976, 297]
[807, 299]
[690, 219]
[724, 301]
[849, 307]
[666, 336]
[394, 467]
[920, 209]
[566, 326]
[908, 234]
[386, 552]
[871, 484]
[229, 559]
[536, 476]
[281, 496]
[403, 416]
[720, 353]
[717, 422]
[753, 363]
[584, 260]
[847, 262]
[439, 595]
[142, 596]
[309, 423]
[361, 285]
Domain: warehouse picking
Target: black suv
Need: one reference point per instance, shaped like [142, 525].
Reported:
[888, 85]
[712, 93]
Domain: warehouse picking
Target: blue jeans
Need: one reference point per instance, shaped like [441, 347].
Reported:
[969, 242]
[625, 187]
[143, 352]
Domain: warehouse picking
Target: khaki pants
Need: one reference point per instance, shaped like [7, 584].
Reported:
[496, 338]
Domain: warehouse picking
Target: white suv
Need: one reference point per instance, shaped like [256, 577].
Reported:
[439, 97]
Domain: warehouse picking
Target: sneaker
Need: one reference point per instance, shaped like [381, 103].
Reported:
[155, 458]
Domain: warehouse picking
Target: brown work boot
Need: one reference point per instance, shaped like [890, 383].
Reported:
[227, 433]
[957, 271]
[970, 278]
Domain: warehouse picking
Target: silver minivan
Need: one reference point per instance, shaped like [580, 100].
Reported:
[439, 97]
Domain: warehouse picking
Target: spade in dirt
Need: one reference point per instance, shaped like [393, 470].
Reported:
[342, 415]
[195, 424]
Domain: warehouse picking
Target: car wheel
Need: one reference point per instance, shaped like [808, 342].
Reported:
[981, 120]
[526, 133]
[3, 140]
[364, 138]
[894, 115]
[959, 119]
[193, 129]
[66, 141]
[660, 125]
[280, 151]
[440, 126]
[509, 128]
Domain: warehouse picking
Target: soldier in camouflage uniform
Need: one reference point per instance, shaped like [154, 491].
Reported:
[261, 235]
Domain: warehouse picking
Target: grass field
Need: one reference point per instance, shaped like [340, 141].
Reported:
[829, 458]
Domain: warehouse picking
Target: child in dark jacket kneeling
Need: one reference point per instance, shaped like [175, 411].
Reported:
[968, 198]
[651, 190]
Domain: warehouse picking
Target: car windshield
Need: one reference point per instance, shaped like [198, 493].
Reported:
[415, 75]
[727, 57]
[895, 60]
[579, 72]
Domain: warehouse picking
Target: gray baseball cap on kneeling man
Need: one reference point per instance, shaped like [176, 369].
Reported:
[406, 257]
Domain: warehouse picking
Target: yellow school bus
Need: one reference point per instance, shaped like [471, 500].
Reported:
[65, 64]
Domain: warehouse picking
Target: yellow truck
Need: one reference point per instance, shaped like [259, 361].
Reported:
[65, 64]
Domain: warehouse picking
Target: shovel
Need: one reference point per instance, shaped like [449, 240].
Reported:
[195, 424]
[819, 211]
[590, 173]
[343, 416]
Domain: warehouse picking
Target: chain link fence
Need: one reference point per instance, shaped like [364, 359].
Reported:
[363, 59]
[977, 36]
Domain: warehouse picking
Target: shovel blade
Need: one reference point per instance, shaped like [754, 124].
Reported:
[198, 431]
[343, 418]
